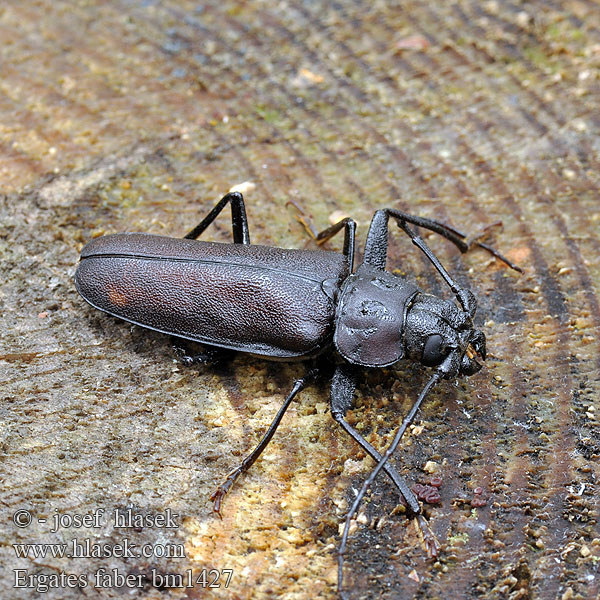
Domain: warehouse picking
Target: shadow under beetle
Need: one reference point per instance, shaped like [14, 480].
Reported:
[294, 304]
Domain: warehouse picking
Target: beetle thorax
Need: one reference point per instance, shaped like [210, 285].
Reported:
[371, 316]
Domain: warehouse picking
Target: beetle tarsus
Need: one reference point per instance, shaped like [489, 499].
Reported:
[217, 505]
[499, 256]
[432, 546]
[302, 219]
[219, 494]
[475, 241]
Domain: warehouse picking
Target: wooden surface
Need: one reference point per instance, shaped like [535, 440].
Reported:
[139, 116]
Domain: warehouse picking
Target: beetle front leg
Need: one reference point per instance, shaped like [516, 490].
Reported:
[221, 491]
[343, 385]
[342, 393]
[465, 297]
[432, 544]
[377, 243]
[239, 220]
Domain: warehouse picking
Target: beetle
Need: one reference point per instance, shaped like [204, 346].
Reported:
[294, 305]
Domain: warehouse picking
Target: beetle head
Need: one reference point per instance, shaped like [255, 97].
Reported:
[439, 334]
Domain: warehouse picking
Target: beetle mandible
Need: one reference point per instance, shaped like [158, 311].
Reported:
[294, 304]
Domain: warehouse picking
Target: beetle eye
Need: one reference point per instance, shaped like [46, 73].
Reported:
[433, 351]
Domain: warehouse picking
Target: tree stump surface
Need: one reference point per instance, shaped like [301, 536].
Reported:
[138, 116]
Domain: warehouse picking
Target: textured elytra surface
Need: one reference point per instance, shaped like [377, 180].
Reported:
[128, 116]
[243, 297]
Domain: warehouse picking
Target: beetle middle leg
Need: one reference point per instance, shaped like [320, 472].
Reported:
[221, 491]
[347, 224]
[349, 227]
[342, 393]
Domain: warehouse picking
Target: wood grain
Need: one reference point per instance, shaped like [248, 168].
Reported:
[139, 116]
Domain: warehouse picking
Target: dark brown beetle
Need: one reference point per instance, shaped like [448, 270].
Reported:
[293, 304]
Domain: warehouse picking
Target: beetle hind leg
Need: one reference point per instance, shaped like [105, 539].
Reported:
[239, 220]
[209, 355]
[432, 546]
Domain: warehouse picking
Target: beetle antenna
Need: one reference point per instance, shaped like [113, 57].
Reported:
[407, 421]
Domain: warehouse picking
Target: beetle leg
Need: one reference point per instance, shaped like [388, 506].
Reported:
[432, 548]
[465, 297]
[349, 227]
[457, 237]
[342, 392]
[376, 245]
[302, 219]
[210, 355]
[239, 220]
[221, 491]
[347, 224]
